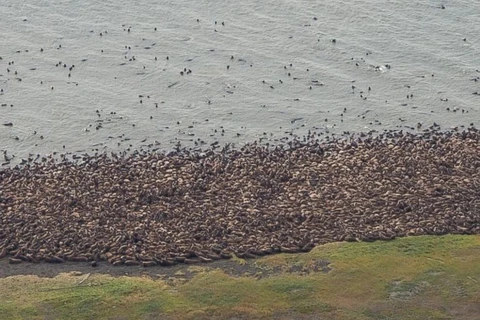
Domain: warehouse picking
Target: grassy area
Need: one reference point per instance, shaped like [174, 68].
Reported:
[409, 278]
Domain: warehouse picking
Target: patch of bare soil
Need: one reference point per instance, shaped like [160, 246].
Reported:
[249, 267]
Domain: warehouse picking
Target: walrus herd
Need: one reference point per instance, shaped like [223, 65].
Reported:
[152, 208]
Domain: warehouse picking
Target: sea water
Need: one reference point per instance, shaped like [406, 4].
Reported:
[99, 76]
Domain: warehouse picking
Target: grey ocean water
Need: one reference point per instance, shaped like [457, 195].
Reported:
[119, 95]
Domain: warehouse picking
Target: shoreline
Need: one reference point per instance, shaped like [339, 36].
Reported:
[156, 209]
[324, 139]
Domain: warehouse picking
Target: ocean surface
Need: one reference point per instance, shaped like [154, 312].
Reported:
[100, 76]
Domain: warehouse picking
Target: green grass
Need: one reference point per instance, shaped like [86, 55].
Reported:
[409, 278]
